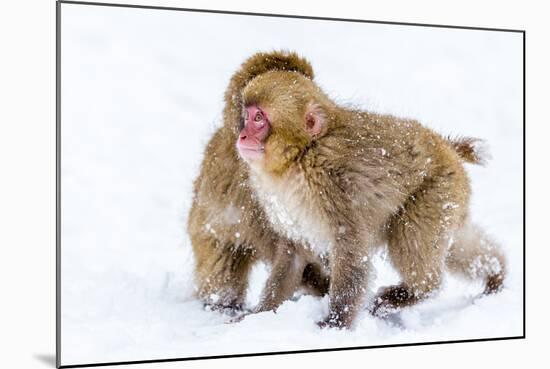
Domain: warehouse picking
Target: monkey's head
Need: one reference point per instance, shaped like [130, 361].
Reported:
[283, 113]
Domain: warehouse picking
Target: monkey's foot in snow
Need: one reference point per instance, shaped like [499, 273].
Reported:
[391, 299]
[229, 310]
[327, 324]
[239, 317]
[332, 322]
[388, 313]
[381, 310]
[494, 284]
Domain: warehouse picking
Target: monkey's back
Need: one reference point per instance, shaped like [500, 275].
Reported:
[380, 162]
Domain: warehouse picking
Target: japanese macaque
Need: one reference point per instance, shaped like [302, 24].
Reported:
[343, 182]
[229, 231]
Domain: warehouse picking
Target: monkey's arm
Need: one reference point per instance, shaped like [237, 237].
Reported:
[349, 272]
[286, 276]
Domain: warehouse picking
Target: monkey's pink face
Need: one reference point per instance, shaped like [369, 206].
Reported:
[254, 133]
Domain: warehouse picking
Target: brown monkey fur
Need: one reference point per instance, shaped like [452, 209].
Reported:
[343, 182]
[229, 231]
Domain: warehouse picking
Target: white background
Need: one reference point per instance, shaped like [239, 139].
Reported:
[28, 184]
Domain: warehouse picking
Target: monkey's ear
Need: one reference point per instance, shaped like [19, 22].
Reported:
[315, 119]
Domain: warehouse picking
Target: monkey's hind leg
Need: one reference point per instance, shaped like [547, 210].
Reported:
[475, 256]
[418, 238]
[221, 274]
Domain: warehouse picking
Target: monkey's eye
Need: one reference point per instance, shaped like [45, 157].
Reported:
[259, 116]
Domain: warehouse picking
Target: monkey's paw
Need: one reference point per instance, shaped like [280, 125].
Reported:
[331, 322]
[238, 317]
[382, 308]
[390, 300]
[225, 309]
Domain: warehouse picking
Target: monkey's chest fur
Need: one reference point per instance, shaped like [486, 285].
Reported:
[290, 209]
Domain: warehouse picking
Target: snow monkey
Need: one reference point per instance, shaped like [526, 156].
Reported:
[229, 230]
[342, 182]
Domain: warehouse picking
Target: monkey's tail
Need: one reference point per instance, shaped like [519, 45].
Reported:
[470, 149]
[474, 255]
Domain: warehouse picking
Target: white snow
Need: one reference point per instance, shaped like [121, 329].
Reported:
[142, 92]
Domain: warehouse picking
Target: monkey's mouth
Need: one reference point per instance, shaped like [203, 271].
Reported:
[251, 153]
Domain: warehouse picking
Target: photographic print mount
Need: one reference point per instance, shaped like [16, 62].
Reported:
[220, 12]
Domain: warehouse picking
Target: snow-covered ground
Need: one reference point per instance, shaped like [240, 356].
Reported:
[141, 94]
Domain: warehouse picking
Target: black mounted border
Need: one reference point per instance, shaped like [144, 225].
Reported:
[58, 180]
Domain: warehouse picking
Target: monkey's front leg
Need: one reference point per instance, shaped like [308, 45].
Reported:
[349, 271]
[286, 276]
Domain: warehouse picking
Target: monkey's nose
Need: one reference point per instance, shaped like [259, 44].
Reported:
[243, 137]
